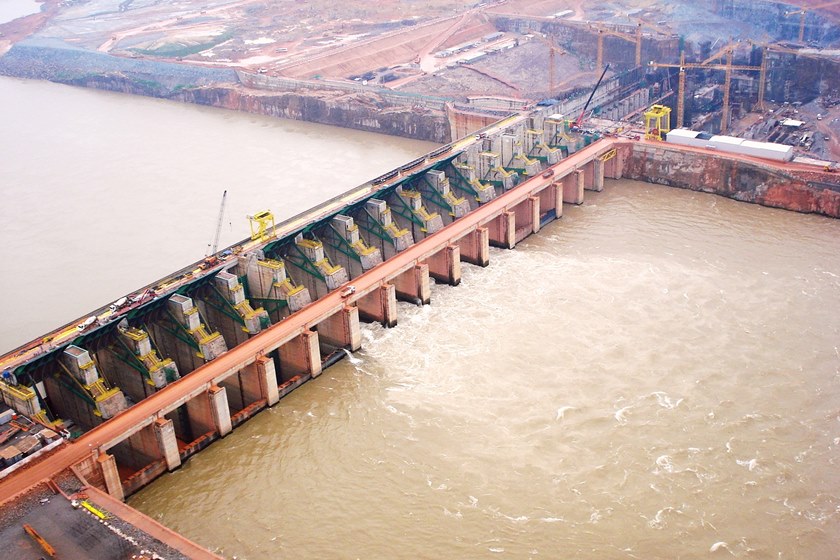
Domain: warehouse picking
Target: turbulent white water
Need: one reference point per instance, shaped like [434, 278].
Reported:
[655, 376]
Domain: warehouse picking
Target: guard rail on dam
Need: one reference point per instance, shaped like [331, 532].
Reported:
[205, 349]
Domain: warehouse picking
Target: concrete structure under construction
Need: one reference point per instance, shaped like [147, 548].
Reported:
[196, 358]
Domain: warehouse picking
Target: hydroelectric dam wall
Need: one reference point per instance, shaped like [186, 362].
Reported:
[201, 351]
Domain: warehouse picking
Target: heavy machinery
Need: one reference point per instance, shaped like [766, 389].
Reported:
[657, 122]
[591, 95]
[210, 257]
[728, 68]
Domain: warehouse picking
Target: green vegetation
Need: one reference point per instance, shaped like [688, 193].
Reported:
[175, 50]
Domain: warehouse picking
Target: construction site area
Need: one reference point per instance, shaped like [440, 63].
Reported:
[533, 101]
[440, 70]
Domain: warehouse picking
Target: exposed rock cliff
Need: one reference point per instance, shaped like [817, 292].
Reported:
[219, 87]
[794, 189]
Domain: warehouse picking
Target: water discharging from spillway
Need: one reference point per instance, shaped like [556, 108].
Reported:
[657, 375]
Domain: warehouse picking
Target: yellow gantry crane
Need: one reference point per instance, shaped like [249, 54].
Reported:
[803, 12]
[657, 122]
[728, 68]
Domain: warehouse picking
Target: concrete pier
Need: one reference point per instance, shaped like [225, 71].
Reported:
[107, 466]
[270, 287]
[167, 443]
[379, 305]
[551, 202]
[573, 187]
[502, 230]
[527, 217]
[475, 247]
[413, 284]
[300, 355]
[313, 268]
[347, 248]
[379, 230]
[341, 330]
[445, 265]
[412, 214]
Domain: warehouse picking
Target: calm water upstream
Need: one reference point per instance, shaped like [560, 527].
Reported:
[103, 193]
[655, 376]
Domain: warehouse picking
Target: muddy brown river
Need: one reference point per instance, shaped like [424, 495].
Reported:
[657, 375]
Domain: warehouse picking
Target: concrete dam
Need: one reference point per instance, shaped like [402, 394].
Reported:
[150, 380]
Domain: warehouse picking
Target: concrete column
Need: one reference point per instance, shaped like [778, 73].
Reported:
[502, 230]
[199, 417]
[535, 213]
[341, 330]
[413, 285]
[613, 168]
[108, 466]
[259, 381]
[589, 176]
[165, 433]
[300, 356]
[220, 410]
[380, 306]
[475, 247]
[573, 187]
[598, 180]
[551, 201]
[445, 265]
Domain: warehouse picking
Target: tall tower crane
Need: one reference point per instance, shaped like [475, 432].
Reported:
[802, 14]
[728, 68]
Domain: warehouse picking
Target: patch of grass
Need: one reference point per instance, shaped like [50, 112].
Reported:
[175, 50]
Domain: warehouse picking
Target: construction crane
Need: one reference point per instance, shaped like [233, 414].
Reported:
[212, 248]
[553, 49]
[802, 13]
[728, 68]
[637, 39]
[591, 95]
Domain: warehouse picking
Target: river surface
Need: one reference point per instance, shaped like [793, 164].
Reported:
[13, 9]
[657, 375]
[103, 193]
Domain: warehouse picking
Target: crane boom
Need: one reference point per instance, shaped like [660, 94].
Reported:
[215, 245]
[591, 95]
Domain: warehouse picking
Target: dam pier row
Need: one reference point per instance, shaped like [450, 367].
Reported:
[152, 379]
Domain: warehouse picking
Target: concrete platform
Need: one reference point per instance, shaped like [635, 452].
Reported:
[77, 533]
